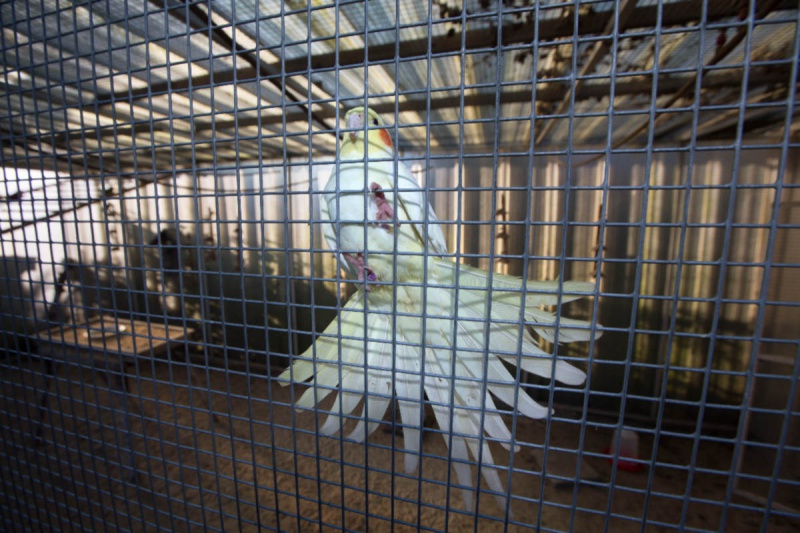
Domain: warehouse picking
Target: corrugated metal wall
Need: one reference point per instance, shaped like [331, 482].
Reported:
[661, 252]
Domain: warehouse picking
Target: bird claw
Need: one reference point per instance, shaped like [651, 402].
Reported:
[364, 272]
[385, 210]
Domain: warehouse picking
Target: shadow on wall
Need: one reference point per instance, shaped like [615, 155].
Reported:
[20, 307]
[240, 301]
[36, 295]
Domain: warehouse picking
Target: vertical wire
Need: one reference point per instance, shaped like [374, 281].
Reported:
[266, 307]
[42, 278]
[220, 208]
[738, 453]
[287, 270]
[114, 425]
[10, 446]
[525, 260]
[9, 478]
[783, 442]
[636, 293]
[490, 275]
[423, 348]
[39, 267]
[226, 358]
[393, 402]
[791, 102]
[573, 79]
[124, 393]
[367, 124]
[176, 209]
[8, 440]
[424, 309]
[696, 440]
[203, 291]
[117, 387]
[601, 236]
[24, 326]
[311, 232]
[151, 358]
[120, 395]
[362, 286]
[248, 371]
[723, 267]
[460, 214]
[675, 299]
[337, 224]
[64, 353]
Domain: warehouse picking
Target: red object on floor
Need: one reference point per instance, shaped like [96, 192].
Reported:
[623, 463]
[628, 442]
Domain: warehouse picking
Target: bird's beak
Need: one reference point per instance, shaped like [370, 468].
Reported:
[355, 122]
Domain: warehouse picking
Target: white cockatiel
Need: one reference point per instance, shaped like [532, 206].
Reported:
[421, 325]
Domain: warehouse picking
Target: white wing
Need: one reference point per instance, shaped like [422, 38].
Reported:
[329, 230]
[412, 197]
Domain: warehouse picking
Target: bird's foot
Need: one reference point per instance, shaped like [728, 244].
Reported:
[364, 272]
[385, 210]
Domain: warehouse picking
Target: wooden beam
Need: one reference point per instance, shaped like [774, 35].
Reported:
[726, 125]
[764, 9]
[550, 91]
[599, 50]
[680, 13]
[199, 18]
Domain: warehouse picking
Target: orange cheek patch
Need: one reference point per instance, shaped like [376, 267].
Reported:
[387, 140]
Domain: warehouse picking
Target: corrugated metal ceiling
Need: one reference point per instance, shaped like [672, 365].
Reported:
[163, 85]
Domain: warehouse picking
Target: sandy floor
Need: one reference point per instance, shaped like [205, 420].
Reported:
[253, 463]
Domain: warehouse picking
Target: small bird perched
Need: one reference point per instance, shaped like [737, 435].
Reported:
[422, 325]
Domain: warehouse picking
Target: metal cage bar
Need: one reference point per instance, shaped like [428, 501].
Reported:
[169, 265]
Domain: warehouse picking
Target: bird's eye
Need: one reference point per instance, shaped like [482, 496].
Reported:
[374, 121]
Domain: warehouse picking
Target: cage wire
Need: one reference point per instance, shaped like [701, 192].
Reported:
[165, 261]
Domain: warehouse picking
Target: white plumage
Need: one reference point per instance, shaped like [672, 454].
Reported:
[388, 239]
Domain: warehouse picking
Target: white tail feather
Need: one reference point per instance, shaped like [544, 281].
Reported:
[346, 401]
[408, 387]
[438, 389]
[480, 449]
[349, 323]
[455, 326]
[379, 376]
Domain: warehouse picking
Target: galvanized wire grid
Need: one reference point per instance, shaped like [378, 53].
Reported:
[187, 145]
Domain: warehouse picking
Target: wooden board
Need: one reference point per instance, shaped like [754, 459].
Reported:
[105, 334]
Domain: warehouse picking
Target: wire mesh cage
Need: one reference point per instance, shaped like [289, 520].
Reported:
[488, 265]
